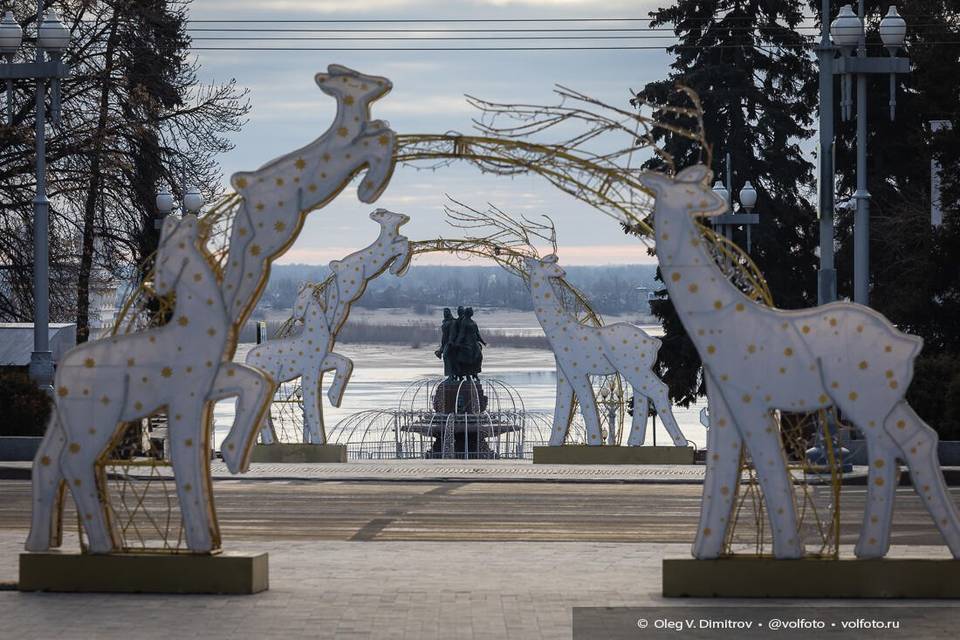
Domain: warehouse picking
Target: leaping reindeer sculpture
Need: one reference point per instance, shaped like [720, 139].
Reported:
[310, 354]
[277, 196]
[176, 368]
[758, 359]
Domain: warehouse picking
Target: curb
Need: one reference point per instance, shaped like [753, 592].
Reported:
[951, 475]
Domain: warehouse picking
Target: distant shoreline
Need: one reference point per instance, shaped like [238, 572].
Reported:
[403, 326]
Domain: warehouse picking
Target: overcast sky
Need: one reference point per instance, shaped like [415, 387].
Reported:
[289, 110]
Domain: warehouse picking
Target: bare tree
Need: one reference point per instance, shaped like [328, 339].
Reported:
[134, 116]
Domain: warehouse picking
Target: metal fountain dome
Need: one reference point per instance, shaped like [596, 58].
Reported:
[471, 419]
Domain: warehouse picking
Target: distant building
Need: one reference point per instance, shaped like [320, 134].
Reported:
[103, 303]
[16, 343]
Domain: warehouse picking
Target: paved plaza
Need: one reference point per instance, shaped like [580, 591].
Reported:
[414, 590]
[420, 557]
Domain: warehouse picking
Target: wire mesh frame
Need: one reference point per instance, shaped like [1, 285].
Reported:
[142, 506]
[379, 434]
[816, 488]
[487, 420]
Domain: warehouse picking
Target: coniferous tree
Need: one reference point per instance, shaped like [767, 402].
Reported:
[755, 78]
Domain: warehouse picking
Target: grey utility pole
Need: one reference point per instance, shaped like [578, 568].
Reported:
[52, 39]
[827, 276]
[861, 223]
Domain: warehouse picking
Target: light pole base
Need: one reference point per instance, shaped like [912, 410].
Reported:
[41, 369]
[826, 286]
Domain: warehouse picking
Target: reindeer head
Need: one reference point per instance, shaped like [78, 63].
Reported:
[678, 198]
[351, 87]
[177, 239]
[548, 266]
[390, 224]
[688, 192]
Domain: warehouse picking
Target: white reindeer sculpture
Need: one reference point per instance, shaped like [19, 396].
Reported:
[758, 360]
[581, 351]
[310, 353]
[176, 368]
[277, 196]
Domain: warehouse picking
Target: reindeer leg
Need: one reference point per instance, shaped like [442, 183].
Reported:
[268, 434]
[46, 527]
[344, 369]
[310, 386]
[190, 457]
[918, 443]
[562, 409]
[588, 408]
[763, 441]
[78, 461]
[874, 538]
[379, 165]
[258, 357]
[638, 425]
[660, 395]
[255, 392]
[722, 479]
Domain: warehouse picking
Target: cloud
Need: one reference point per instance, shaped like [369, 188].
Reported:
[319, 6]
[425, 104]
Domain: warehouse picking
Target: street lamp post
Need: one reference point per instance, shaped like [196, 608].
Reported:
[727, 222]
[192, 203]
[52, 39]
[847, 32]
[610, 403]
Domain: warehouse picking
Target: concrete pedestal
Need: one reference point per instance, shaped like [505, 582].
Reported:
[282, 452]
[144, 573]
[584, 454]
[811, 578]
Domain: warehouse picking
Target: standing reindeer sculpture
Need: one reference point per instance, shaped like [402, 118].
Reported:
[310, 354]
[176, 368]
[757, 360]
[581, 351]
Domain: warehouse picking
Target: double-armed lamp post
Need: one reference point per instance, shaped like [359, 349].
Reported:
[52, 40]
[727, 222]
[838, 43]
[192, 203]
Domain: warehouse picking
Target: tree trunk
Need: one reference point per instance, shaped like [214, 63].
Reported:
[93, 191]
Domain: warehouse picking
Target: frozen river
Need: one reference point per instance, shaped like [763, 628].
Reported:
[381, 372]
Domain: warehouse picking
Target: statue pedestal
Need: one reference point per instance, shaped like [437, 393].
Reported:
[752, 577]
[605, 454]
[285, 452]
[226, 573]
[459, 396]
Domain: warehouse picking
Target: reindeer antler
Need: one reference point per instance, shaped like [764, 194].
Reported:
[504, 232]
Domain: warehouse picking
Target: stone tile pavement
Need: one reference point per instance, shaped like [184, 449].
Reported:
[353, 590]
[433, 470]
